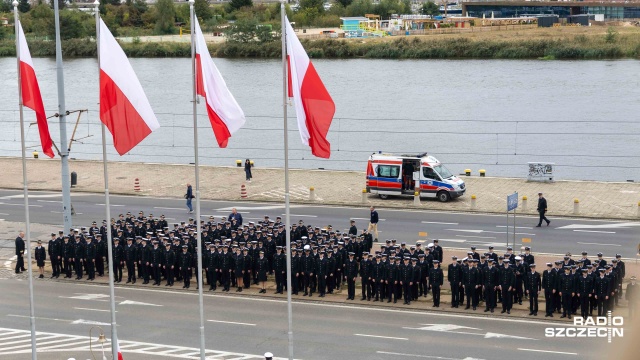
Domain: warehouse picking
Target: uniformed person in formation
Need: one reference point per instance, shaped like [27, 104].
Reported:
[454, 276]
[263, 269]
[185, 266]
[549, 286]
[351, 273]
[584, 291]
[490, 284]
[436, 279]
[40, 255]
[533, 285]
[506, 285]
[566, 290]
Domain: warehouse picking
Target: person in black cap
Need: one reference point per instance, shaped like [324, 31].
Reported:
[542, 210]
[130, 257]
[549, 286]
[90, 259]
[185, 266]
[365, 276]
[436, 279]
[406, 280]
[601, 293]
[490, 284]
[506, 284]
[40, 254]
[322, 272]
[566, 290]
[279, 268]
[533, 285]
[156, 262]
[454, 276]
[353, 230]
[351, 273]
[263, 269]
[584, 291]
[78, 257]
[168, 261]
[53, 250]
[471, 282]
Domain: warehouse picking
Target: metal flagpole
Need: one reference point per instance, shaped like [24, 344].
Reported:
[62, 117]
[32, 319]
[286, 176]
[114, 331]
[197, 170]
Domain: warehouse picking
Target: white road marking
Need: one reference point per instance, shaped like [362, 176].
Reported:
[616, 225]
[102, 310]
[478, 237]
[37, 317]
[50, 201]
[517, 227]
[453, 240]
[436, 222]
[3, 203]
[487, 231]
[596, 231]
[267, 207]
[89, 322]
[129, 302]
[587, 243]
[491, 335]
[295, 215]
[549, 351]
[170, 208]
[381, 337]
[424, 356]
[112, 205]
[4, 214]
[366, 219]
[231, 322]
[96, 297]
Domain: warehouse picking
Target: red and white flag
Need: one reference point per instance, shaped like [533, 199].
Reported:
[124, 107]
[31, 97]
[225, 114]
[120, 357]
[314, 106]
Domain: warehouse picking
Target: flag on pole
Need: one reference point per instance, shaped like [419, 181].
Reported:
[120, 357]
[314, 106]
[225, 114]
[124, 107]
[31, 97]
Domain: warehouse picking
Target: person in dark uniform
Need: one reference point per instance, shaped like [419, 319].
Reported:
[185, 266]
[90, 259]
[566, 290]
[279, 268]
[130, 257]
[351, 273]
[391, 280]
[471, 281]
[156, 263]
[101, 254]
[601, 292]
[53, 251]
[246, 277]
[78, 257]
[549, 286]
[331, 269]
[353, 230]
[423, 288]
[168, 261]
[365, 276]
[506, 283]
[67, 251]
[631, 294]
[322, 273]
[239, 269]
[307, 265]
[295, 272]
[454, 276]
[542, 210]
[533, 285]
[490, 283]
[406, 280]
[226, 267]
[213, 267]
[263, 269]
[118, 260]
[584, 292]
[40, 255]
[436, 279]
[20, 252]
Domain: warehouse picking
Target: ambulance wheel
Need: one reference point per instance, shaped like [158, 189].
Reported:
[383, 196]
[443, 196]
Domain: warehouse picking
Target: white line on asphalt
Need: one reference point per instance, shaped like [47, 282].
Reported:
[479, 237]
[50, 201]
[1, 203]
[60, 212]
[436, 222]
[112, 205]
[3, 214]
[351, 307]
[381, 337]
[231, 322]
[39, 318]
[423, 356]
[517, 227]
[453, 240]
[80, 308]
[366, 219]
[596, 231]
[549, 351]
[586, 243]
[294, 215]
[169, 208]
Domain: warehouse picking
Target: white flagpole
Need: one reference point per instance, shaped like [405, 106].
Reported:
[32, 319]
[197, 171]
[286, 176]
[114, 330]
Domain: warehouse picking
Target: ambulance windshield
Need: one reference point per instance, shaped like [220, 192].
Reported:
[443, 171]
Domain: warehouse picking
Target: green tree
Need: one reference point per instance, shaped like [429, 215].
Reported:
[429, 8]
[61, 4]
[5, 6]
[202, 9]
[141, 6]
[72, 25]
[24, 6]
[307, 4]
[344, 3]
[3, 32]
[237, 4]
[166, 14]
[359, 8]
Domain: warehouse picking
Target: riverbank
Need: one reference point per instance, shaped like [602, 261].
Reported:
[595, 42]
[596, 199]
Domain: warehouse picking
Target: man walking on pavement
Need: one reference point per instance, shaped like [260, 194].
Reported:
[20, 252]
[542, 210]
[373, 223]
[189, 196]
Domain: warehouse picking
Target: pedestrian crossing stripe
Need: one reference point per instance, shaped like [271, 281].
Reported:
[15, 342]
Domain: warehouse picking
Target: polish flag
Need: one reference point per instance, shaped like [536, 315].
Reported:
[124, 107]
[314, 106]
[120, 357]
[31, 97]
[225, 114]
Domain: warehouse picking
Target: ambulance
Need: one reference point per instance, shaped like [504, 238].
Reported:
[402, 175]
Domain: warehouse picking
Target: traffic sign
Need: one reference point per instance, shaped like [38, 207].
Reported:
[512, 201]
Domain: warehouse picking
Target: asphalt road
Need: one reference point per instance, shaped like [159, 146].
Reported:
[455, 230]
[166, 325]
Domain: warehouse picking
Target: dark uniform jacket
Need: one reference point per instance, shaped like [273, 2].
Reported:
[490, 276]
[436, 277]
[566, 284]
[532, 282]
[585, 285]
[351, 269]
[507, 278]
[454, 274]
[19, 246]
[602, 287]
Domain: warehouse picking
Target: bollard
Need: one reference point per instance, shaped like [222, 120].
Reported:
[416, 198]
[467, 172]
[576, 206]
[239, 163]
[482, 172]
[364, 196]
[243, 191]
[35, 154]
[251, 162]
[312, 194]
[638, 216]
[74, 179]
[473, 202]
[136, 185]
[524, 204]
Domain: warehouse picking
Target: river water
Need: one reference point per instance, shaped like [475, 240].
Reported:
[491, 114]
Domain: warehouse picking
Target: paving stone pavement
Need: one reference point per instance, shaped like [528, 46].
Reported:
[612, 200]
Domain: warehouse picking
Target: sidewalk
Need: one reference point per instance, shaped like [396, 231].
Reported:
[597, 199]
